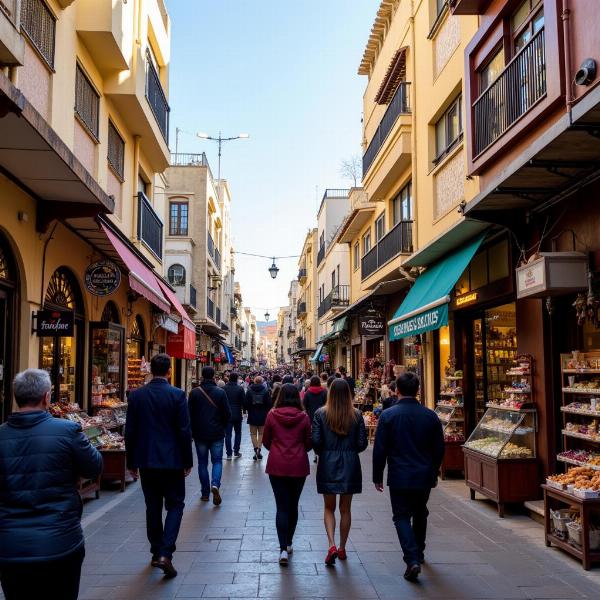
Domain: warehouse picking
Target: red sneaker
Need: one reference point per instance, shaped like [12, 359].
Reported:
[342, 554]
[331, 556]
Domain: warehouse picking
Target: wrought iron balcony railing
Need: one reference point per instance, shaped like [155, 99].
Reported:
[210, 308]
[149, 226]
[397, 241]
[339, 296]
[157, 99]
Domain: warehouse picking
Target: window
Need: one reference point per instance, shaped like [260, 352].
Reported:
[332, 279]
[178, 218]
[356, 256]
[380, 227]
[492, 69]
[87, 102]
[366, 242]
[448, 130]
[116, 151]
[176, 275]
[322, 240]
[142, 185]
[40, 26]
[526, 21]
[402, 205]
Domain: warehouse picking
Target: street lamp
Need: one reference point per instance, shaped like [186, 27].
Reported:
[220, 140]
[273, 270]
[267, 316]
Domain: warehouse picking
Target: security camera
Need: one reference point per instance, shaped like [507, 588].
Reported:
[586, 73]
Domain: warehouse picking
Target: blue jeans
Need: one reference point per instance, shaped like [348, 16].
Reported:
[237, 428]
[410, 518]
[216, 458]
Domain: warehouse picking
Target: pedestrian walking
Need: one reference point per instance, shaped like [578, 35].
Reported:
[349, 379]
[257, 404]
[324, 377]
[338, 436]
[314, 398]
[235, 396]
[41, 460]
[158, 441]
[287, 437]
[410, 440]
[209, 416]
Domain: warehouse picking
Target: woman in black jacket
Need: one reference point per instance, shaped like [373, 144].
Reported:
[257, 404]
[338, 435]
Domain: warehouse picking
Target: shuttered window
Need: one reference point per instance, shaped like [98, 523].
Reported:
[39, 25]
[116, 151]
[87, 102]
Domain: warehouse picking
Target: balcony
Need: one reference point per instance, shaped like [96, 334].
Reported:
[400, 105]
[520, 86]
[218, 315]
[397, 241]
[224, 326]
[157, 100]
[213, 251]
[320, 255]
[193, 301]
[233, 313]
[237, 343]
[210, 308]
[302, 274]
[291, 330]
[12, 47]
[186, 159]
[337, 298]
[280, 334]
[301, 308]
[149, 226]
[300, 343]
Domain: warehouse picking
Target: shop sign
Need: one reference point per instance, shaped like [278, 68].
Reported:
[426, 321]
[167, 323]
[371, 325]
[102, 278]
[54, 323]
[553, 273]
[466, 299]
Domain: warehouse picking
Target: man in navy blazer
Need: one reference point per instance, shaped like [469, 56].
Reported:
[410, 440]
[158, 440]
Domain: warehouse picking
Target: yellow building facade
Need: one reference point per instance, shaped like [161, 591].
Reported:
[84, 119]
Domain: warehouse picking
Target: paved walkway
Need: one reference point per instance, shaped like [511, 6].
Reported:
[231, 551]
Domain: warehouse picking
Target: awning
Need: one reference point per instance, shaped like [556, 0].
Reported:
[141, 278]
[315, 356]
[182, 344]
[425, 307]
[174, 300]
[338, 327]
[228, 354]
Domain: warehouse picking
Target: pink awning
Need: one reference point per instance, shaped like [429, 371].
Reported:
[141, 278]
[174, 300]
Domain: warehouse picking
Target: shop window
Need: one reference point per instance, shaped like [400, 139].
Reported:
[498, 261]
[448, 130]
[110, 314]
[366, 242]
[87, 102]
[39, 24]
[116, 151]
[63, 291]
[402, 205]
[178, 218]
[380, 227]
[463, 285]
[356, 256]
[176, 275]
[479, 271]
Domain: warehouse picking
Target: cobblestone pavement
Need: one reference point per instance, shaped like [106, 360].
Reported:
[231, 551]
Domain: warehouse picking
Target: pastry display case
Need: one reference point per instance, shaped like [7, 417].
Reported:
[106, 363]
[450, 410]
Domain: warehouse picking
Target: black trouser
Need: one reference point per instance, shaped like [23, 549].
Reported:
[410, 505]
[233, 426]
[287, 491]
[168, 486]
[51, 580]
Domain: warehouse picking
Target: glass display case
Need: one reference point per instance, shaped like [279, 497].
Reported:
[505, 434]
[106, 364]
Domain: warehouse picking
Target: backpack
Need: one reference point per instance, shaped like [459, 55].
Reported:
[257, 399]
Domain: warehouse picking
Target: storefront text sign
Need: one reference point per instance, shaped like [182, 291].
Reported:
[54, 323]
[102, 278]
[167, 323]
[553, 273]
[426, 321]
[371, 325]
[467, 299]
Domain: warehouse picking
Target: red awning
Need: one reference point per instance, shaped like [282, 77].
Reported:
[141, 278]
[174, 300]
[182, 344]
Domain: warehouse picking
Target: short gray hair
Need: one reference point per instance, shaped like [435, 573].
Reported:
[30, 386]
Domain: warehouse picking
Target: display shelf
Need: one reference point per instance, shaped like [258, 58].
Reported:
[582, 391]
[581, 371]
[577, 463]
[452, 417]
[584, 413]
[522, 409]
[516, 391]
[449, 405]
[580, 436]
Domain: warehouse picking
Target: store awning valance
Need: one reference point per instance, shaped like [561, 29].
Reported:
[177, 306]
[315, 356]
[182, 344]
[141, 278]
[338, 327]
[425, 307]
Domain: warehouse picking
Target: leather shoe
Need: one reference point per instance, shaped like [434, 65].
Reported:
[154, 561]
[412, 572]
[167, 567]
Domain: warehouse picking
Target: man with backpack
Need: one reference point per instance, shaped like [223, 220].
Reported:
[257, 404]
[235, 396]
[209, 415]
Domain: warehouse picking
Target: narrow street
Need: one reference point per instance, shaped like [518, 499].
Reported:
[231, 551]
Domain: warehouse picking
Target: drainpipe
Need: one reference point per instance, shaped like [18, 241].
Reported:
[565, 16]
[413, 108]
[136, 171]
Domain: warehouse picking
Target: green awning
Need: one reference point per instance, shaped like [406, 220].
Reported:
[425, 307]
[338, 327]
[315, 356]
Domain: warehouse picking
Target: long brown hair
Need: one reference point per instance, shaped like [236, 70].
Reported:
[340, 415]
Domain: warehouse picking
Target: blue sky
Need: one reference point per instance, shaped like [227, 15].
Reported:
[286, 73]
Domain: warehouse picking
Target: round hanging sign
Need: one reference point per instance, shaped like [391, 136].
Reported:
[102, 278]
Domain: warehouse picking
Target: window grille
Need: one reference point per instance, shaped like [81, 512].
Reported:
[38, 22]
[116, 151]
[87, 102]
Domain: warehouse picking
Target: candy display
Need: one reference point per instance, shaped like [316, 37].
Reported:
[450, 411]
[584, 430]
[518, 393]
[497, 448]
[59, 409]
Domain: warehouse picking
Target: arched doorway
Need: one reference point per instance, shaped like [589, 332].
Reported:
[62, 357]
[8, 321]
[110, 314]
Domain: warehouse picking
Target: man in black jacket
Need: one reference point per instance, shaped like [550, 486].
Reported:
[41, 460]
[209, 414]
[411, 440]
[158, 442]
[235, 395]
